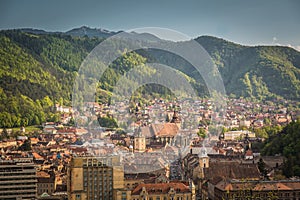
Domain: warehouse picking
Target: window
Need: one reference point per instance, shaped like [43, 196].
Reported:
[77, 196]
[124, 196]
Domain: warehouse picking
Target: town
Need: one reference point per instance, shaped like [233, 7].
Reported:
[154, 151]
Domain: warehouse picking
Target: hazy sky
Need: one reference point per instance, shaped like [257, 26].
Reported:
[245, 22]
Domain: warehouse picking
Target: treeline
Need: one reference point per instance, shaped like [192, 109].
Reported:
[39, 67]
[260, 72]
[19, 110]
[35, 66]
[37, 71]
[286, 143]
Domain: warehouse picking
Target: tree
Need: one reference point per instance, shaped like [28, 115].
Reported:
[262, 167]
[288, 167]
[202, 133]
[26, 146]
[107, 122]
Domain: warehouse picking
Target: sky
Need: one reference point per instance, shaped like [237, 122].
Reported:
[254, 22]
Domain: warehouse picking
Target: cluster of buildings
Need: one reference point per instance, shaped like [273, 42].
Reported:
[159, 156]
[243, 113]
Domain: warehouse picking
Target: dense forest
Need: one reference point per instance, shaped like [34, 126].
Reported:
[38, 71]
[286, 143]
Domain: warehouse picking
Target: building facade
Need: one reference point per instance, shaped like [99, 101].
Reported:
[94, 178]
[164, 191]
[264, 190]
[46, 183]
[17, 179]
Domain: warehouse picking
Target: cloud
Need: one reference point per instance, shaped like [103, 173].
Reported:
[277, 43]
[294, 47]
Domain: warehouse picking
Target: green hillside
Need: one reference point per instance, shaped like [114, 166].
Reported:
[287, 144]
[258, 72]
[38, 70]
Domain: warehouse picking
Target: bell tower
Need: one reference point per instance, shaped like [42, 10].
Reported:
[139, 141]
[203, 161]
[176, 119]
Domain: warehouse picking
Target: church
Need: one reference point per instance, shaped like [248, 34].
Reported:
[157, 135]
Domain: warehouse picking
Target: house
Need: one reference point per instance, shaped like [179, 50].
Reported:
[173, 190]
[249, 155]
[239, 189]
[46, 182]
[235, 135]
[245, 123]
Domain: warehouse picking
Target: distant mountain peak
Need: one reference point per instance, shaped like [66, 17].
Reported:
[90, 32]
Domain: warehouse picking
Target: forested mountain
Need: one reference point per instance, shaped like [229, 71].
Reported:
[258, 72]
[38, 70]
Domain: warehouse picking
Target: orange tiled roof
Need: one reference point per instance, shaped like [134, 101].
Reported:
[161, 188]
[42, 174]
[167, 129]
[249, 153]
[37, 156]
[232, 170]
[258, 186]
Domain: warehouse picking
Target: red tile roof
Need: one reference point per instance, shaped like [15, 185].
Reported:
[161, 188]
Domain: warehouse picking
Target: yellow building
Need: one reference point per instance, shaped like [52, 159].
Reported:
[163, 191]
[95, 178]
[235, 135]
[203, 162]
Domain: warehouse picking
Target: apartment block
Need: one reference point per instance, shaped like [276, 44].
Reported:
[18, 179]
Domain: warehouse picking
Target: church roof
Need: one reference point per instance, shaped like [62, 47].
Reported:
[159, 130]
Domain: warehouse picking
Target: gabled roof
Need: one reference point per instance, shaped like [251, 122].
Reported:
[159, 130]
[232, 170]
[161, 188]
[167, 129]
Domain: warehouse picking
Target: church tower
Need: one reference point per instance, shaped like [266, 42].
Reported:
[139, 141]
[203, 161]
[176, 119]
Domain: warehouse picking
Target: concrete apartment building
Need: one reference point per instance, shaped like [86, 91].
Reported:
[17, 179]
[92, 178]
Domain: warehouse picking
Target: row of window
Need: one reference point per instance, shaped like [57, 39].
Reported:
[17, 174]
[16, 183]
[17, 188]
[97, 162]
[41, 191]
[161, 198]
[45, 184]
[19, 193]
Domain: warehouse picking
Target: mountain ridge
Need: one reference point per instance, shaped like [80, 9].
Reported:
[37, 66]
